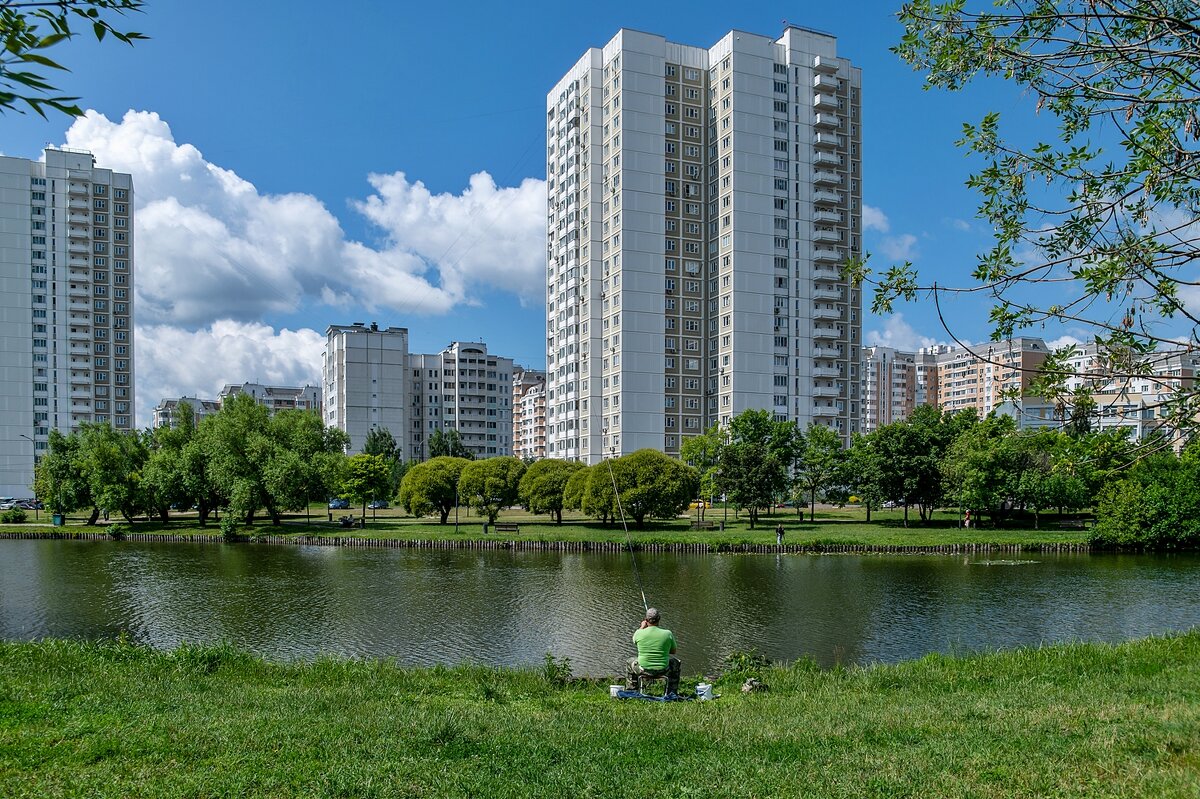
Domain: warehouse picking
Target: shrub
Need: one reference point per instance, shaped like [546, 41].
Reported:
[118, 532]
[229, 528]
[14, 516]
[556, 671]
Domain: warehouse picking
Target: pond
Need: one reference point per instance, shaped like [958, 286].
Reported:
[511, 608]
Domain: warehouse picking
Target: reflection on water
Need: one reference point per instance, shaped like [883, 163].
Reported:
[510, 608]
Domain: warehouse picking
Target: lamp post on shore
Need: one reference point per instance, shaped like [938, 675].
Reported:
[36, 516]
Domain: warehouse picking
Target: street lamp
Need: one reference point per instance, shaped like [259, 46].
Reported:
[36, 516]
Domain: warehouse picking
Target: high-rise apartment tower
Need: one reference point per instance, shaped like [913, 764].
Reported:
[66, 304]
[701, 202]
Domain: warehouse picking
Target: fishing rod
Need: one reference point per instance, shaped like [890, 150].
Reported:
[628, 542]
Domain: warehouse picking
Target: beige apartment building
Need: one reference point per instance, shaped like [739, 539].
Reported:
[166, 412]
[977, 378]
[529, 413]
[276, 398]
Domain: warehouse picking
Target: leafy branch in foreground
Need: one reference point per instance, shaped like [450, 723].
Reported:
[29, 29]
[1111, 235]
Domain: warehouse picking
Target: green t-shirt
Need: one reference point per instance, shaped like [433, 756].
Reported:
[654, 645]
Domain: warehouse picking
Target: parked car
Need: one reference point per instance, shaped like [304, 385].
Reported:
[890, 504]
[339, 504]
[697, 504]
[377, 504]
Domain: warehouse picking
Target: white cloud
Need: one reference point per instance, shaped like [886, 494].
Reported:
[874, 219]
[900, 335]
[1064, 341]
[959, 224]
[173, 362]
[211, 246]
[899, 248]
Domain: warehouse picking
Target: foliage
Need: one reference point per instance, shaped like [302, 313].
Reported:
[112, 461]
[703, 453]
[118, 531]
[29, 29]
[432, 486]
[1109, 231]
[13, 516]
[651, 484]
[1156, 506]
[229, 529]
[364, 478]
[59, 478]
[820, 462]
[556, 671]
[865, 472]
[448, 445]
[380, 441]
[543, 487]
[491, 484]
[575, 488]
[756, 461]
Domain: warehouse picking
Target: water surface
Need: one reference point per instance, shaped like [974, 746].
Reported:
[510, 608]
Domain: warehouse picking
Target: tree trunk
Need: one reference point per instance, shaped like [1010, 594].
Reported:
[250, 517]
[558, 516]
[94, 517]
[444, 513]
[203, 511]
[906, 514]
[868, 513]
[812, 505]
[753, 516]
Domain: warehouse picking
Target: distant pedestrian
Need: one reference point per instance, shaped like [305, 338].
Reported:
[779, 535]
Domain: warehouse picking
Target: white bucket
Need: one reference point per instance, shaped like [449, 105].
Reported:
[613, 689]
[704, 691]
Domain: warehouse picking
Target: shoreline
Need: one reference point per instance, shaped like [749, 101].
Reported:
[521, 545]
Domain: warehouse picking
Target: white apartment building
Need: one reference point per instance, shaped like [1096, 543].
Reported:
[66, 304]
[167, 410]
[889, 386]
[462, 388]
[529, 413]
[365, 381]
[700, 204]
[276, 398]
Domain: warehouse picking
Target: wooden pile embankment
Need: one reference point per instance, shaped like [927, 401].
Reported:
[565, 546]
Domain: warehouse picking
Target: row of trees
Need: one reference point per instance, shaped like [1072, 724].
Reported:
[644, 484]
[242, 458]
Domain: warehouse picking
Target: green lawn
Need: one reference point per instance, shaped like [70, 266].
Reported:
[112, 720]
[833, 526]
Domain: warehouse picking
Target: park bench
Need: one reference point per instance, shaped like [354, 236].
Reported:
[507, 527]
[703, 525]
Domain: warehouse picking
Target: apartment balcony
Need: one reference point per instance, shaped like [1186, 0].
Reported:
[826, 255]
[78, 205]
[825, 66]
[822, 177]
[80, 305]
[78, 290]
[826, 371]
[77, 232]
[77, 248]
[825, 158]
[827, 236]
[79, 335]
[827, 273]
[80, 260]
[827, 141]
[75, 187]
[828, 294]
[827, 197]
[81, 349]
[825, 411]
[827, 217]
[826, 333]
[826, 313]
[81, 395]
[825, 82]
[826, 352]
[827, 121]
[826, 391]
[824, 102]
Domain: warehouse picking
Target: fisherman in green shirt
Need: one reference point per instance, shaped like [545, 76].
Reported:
[656, 654]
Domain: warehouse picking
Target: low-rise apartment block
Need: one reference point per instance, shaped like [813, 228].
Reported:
[166, 413]
[277, 398]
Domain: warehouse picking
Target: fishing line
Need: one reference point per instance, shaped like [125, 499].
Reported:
[628, 542]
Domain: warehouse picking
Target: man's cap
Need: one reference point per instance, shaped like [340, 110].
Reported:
[652, 614]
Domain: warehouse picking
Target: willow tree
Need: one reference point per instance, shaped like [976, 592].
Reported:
[1094, 227]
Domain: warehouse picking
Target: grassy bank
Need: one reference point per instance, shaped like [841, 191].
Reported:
[833, 526]
[112, 720]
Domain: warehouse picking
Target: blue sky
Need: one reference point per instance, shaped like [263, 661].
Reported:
[257, 127]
